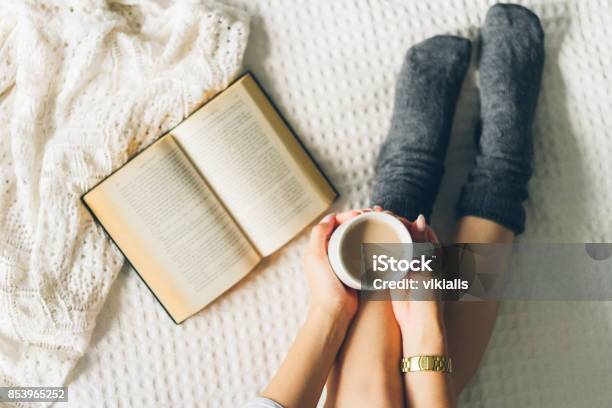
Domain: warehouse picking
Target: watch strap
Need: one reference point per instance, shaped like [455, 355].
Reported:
[426, 363]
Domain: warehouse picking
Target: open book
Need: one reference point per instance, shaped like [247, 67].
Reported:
[198, 209]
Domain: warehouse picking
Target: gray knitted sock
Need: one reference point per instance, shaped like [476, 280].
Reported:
[511, 61]
[411, 160]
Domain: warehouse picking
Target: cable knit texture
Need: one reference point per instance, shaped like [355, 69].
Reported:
[83, 86]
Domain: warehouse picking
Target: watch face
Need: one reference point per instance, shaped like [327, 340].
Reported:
[425, 363]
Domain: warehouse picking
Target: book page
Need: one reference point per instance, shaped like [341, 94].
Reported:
[255, 165]
[172, 228]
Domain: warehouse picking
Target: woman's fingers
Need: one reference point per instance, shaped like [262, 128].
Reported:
[419, 229]
[347, 215]
[421, 232]
[405, 221]
[320, 234]
[420, 223]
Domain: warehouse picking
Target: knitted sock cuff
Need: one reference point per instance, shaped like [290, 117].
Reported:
[483, 203]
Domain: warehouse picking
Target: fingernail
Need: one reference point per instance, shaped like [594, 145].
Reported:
[328, 217]
[377, 207]
[421, 223]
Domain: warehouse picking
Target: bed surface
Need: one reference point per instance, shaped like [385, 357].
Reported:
[331, 69]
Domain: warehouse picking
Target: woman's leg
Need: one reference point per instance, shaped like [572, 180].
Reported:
[469, 324]
[408, 173]
[366, 373]
[410, 164]
[491, 210]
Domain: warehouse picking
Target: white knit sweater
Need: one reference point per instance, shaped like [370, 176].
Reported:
[83, 86]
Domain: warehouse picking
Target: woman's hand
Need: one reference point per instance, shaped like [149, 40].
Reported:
[423, 333]
[415, 314]
[300, 379]
[327, 294]
[421, 321]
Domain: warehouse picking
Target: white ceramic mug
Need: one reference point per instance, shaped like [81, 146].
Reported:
[334, 249]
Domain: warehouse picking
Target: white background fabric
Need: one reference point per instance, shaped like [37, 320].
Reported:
[331, 68]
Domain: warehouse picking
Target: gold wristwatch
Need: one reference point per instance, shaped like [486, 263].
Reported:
[426, 363]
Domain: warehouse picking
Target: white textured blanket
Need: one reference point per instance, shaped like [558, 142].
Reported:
[83, 85]
[331, 67]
